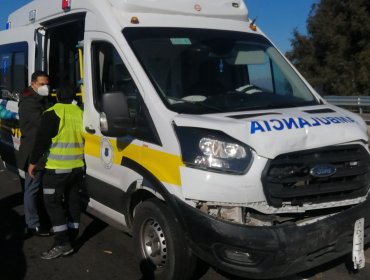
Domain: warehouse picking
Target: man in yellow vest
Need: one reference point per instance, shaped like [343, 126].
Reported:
[60, 139]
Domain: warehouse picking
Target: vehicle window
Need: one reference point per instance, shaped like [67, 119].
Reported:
[111, 75]
[13, 70]
[63, 64]
[202, 71]
[268, 77]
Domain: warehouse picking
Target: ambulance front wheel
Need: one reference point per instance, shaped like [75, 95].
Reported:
[159, 243]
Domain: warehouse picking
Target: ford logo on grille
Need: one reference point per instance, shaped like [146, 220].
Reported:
[323, 170]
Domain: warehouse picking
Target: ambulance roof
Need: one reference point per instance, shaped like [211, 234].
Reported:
[234, 9]
[39, 10]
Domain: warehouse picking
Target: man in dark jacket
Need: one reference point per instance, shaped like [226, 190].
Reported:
[33, 102]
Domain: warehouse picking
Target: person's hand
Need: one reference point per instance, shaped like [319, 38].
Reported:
[31, 170]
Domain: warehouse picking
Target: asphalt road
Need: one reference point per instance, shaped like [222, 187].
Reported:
[102, 252]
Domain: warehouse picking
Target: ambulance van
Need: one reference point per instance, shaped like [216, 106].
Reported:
[201, 140]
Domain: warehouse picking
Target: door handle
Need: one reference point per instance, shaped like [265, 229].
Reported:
[90, 130]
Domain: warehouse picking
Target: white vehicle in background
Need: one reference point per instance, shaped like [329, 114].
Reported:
[202, 140]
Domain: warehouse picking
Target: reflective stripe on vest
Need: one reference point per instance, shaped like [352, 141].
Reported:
[67, 148]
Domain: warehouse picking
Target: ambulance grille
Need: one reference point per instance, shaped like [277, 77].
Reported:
[288, 177]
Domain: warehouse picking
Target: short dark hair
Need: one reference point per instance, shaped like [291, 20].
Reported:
[37, 74]
[66, 93]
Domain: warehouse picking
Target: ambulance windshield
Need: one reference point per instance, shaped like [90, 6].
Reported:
[199, 71]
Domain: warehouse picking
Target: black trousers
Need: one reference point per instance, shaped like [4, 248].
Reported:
[62, 201]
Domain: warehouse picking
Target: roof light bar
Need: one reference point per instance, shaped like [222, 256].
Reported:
[32, 15]
[66, 4]
[135, 20]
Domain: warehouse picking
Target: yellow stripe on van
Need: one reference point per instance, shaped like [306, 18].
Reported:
[164, 166]
[92, 145]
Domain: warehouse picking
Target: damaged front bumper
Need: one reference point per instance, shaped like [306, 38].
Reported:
[261, 252]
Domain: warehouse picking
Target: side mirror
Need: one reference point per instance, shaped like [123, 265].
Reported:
[115, 119]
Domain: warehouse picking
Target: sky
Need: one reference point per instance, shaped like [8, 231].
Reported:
[276, 18]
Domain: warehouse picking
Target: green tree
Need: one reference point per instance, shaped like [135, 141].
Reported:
[335, 54]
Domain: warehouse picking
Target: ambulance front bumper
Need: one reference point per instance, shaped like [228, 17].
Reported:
[272, 252]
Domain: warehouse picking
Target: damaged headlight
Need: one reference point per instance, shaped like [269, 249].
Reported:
[213, 150]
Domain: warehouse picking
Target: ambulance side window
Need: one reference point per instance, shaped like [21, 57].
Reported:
[13, 70]
[111, 75]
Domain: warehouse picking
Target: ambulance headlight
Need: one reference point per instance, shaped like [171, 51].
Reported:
[213, 150]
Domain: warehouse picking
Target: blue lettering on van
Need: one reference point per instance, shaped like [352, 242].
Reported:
[278, 124]
[303, 123]
[295, 123]
[290, 123]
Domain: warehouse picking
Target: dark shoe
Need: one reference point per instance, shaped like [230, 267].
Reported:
[57, 251]
[37, 231]
[72, 234]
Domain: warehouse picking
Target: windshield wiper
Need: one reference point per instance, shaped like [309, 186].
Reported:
[270, 106]
[216, 109]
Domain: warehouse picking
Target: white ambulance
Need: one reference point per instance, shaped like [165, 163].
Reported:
[202, 140]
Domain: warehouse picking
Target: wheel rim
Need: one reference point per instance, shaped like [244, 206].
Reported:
[154, 243]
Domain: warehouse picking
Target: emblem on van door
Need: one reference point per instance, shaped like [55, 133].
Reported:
[323, 170]
[106, 152]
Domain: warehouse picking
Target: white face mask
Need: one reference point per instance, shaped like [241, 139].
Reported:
[43, 90]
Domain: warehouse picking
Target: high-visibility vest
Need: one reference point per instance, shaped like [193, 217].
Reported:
[67, 147]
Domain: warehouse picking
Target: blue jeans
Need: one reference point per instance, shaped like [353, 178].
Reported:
[31, 190]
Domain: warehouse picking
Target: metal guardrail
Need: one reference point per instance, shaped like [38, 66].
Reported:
[356, 101]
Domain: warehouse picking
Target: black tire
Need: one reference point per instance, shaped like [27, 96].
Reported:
[159, 243]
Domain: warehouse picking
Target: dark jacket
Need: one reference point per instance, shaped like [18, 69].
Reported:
[49, 129]
[30, 108]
